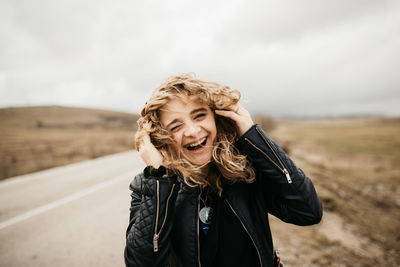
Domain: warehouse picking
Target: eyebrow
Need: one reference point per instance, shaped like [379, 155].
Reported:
[191, 113]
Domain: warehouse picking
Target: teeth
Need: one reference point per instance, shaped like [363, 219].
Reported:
[197, 143]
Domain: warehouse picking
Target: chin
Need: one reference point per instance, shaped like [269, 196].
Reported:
[200, 162]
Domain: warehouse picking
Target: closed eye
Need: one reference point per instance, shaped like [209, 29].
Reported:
[200, 115]
[176, 127]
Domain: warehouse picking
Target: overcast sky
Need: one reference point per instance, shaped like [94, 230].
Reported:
[296, 58]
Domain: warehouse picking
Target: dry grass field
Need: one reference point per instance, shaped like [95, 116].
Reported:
[352, 162]
[37, 138]
[354, 165]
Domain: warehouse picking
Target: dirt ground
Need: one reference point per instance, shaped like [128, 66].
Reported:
[358, 188]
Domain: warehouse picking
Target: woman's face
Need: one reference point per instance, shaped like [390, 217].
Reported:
[193, 129]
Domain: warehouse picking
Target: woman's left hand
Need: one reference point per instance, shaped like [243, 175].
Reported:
[239, 115]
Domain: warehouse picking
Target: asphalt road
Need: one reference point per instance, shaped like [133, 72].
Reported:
[74, 215]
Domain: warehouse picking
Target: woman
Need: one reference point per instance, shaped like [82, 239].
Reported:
[211, 179]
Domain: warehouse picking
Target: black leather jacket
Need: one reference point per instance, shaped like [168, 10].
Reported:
[164, 224]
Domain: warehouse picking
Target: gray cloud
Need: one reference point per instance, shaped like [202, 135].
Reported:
[287, 58]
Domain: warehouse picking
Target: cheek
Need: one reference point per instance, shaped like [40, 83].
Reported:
[177, 140]
[212, 127]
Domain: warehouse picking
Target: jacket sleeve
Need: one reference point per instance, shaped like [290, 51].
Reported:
[150, 221]
[288, 192]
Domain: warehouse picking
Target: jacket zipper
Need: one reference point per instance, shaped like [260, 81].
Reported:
[258, 252]
[157, 235]
[282, 168]
[198, 234]
[273, 150]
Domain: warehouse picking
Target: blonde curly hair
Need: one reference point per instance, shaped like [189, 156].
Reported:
[228, 165]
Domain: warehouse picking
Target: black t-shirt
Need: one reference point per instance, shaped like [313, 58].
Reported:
[226, 243]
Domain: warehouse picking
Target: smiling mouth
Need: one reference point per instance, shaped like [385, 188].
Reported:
[198, 145]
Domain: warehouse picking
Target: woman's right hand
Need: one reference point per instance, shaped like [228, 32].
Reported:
[147, 151]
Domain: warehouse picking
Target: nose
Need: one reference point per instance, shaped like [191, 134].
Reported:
[191, 129]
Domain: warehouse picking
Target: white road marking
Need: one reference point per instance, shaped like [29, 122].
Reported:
[64, 200]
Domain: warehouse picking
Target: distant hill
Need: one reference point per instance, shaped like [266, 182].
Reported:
[37, 138]
[65, 117]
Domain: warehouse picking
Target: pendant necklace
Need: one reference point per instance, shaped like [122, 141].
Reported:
[205, 215]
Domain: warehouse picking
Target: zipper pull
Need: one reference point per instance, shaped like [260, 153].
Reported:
[155, 242]
[287, 176]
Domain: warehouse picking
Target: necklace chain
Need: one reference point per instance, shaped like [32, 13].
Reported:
[206, 196]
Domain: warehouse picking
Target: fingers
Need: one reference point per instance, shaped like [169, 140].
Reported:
[233, 111]
[142, 136]
[227, 113]
[235, 107]
[239, 115]
[147, 151]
